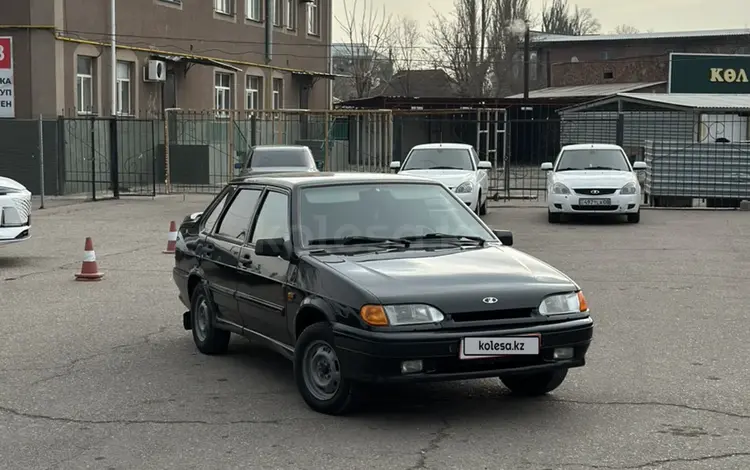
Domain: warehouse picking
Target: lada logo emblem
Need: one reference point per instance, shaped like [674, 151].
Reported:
[594, 191]
[489, 300]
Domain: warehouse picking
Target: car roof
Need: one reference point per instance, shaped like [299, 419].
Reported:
[592, 146]
[274, 147]
[292, 180]
[442, 145]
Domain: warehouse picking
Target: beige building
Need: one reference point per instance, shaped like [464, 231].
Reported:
[189, 54]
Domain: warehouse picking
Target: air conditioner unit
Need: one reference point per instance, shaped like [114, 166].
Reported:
[155, 71]
[307, 1]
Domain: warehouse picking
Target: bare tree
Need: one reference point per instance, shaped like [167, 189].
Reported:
[558, 19]
[406, 48]
[509, 21]
[367, 33]
[626, 29]
[460, 45]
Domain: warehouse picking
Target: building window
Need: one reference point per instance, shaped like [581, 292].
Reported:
[278, 12]
[255, 10]
[609, 75]
[85, 84]
[313, 18]
[253, 92]
[223, 92]
[291, 15]
[124, 88]
[225, 7]
[278, 93]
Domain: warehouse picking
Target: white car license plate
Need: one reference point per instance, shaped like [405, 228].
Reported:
[595, 202]
[477, 348]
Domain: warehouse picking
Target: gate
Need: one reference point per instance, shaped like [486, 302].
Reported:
[490, 144]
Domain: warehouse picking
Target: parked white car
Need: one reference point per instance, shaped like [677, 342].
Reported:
[593, 179]
[455, 165]
[15, 211]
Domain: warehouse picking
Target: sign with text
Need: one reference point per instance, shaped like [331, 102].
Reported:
[7, 99]
[708, 73]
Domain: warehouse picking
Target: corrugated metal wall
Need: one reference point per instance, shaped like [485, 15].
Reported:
[639, 126]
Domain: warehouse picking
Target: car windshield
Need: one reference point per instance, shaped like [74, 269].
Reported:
[342, 214]
[593, 159]
[270, 158]
[439, 159]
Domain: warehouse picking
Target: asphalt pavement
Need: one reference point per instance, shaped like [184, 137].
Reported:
[103, 376]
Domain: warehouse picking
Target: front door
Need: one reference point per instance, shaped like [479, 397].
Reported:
[261, 291]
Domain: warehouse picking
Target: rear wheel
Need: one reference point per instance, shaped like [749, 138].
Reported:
[553, 217]
[208, 338]
[634, 218]
[318, 374]
[532, 385]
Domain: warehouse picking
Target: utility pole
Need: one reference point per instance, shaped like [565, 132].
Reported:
[526, 60]
[113, 46]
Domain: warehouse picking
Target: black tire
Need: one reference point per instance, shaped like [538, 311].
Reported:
[634, 218]
[553, 217]
[208, 339]
[483, 207]
[533, 385]
[316, 343]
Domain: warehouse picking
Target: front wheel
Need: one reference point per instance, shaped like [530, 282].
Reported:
[482, 205]
[318, 374]
[531, 385]
[553, 217]
[634, 218]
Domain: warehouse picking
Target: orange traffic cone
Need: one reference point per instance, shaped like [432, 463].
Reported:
[89, 268]
[171, 238]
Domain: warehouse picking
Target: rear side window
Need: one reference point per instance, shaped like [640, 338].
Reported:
[236, 221]
[214, 214]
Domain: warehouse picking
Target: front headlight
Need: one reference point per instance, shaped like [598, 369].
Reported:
[628, 189]
[4, 190]
[400, 315]
[559, 188]
[465, 187]
[561, 304]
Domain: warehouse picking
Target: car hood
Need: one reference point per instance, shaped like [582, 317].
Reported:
[595, 179]
[11, 184]
[454, 280]
[450, 178]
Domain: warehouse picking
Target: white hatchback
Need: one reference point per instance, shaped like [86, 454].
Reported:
[593, 179]
[455, 165]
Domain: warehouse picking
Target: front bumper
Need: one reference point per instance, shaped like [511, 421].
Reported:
[616, 204]
[377, 357]
[15, 217]
[470, 199]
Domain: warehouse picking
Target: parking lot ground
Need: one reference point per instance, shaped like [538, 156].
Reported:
[103, 376]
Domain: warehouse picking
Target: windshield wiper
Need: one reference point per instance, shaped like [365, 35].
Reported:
[603, 168]
[358, 240]
[444, 168]
[445, 236]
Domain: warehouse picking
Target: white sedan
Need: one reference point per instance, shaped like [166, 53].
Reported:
[15, 211]
[593, 179]
[455, 165]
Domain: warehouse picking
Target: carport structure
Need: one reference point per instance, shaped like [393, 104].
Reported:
[696, 145]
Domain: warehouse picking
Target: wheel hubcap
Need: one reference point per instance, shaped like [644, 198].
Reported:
[321, 370]
[201, 320]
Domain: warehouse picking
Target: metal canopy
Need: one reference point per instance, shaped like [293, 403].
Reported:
[199, 61]
[675, 101]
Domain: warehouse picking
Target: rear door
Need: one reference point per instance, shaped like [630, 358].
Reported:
[222, 248]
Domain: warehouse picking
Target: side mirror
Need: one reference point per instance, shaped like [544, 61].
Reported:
[505, 236]
[484, 165]
[271, 247]
[195, 216]
[395, 165]
[546, 166]
[640, 166]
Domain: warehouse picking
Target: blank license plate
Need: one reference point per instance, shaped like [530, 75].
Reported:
[476, 348]
[595, 202]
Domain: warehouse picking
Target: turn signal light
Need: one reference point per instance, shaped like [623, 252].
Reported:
[374, 315]
[584, 306]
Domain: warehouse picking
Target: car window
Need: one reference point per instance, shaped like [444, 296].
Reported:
[273, 218]
[389, 210]
[439, 159]
[292, 157]
[213, 215]
[593, 159]
[236, 221]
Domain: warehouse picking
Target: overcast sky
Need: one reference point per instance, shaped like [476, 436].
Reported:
[659, 15]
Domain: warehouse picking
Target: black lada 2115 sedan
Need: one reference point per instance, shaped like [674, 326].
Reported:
[362, 278]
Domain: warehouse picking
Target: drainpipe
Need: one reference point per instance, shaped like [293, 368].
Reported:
[269, 30]
[113, 63]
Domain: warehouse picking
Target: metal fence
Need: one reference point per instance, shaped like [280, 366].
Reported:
[691, 155]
